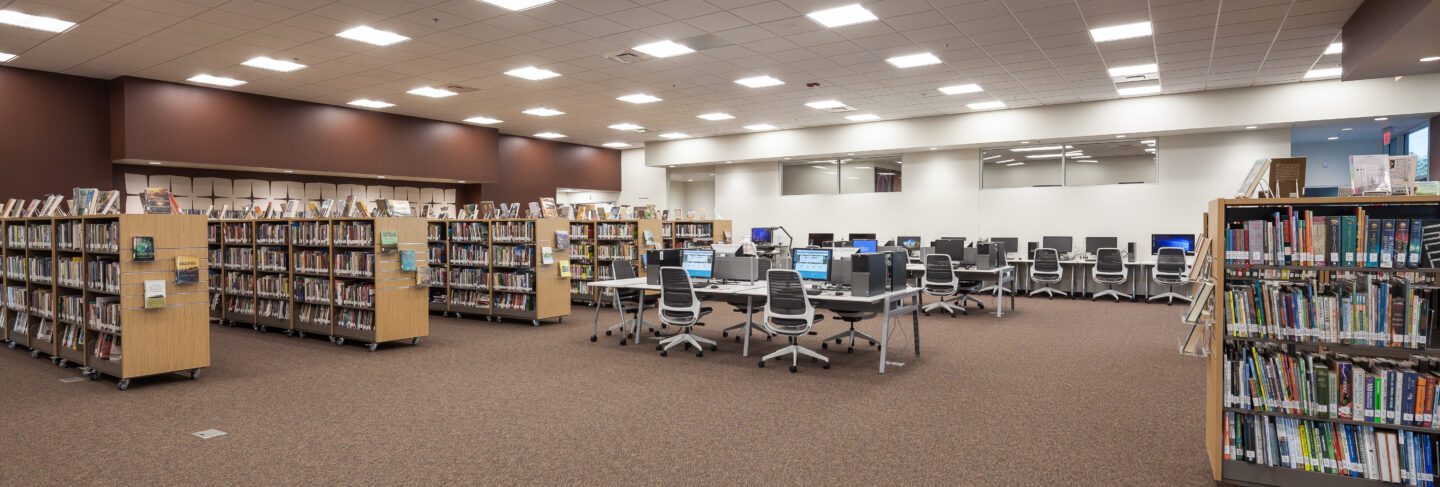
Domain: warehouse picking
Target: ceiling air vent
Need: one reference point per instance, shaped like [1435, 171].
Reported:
[460, 88]
[846, 108]
[625, 57]
[1137, 77]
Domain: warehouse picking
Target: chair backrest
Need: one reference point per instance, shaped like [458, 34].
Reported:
[939, 272]
[787, 299]
[623, 269]
[677, 297]
[1109, 261]
[1047, 261]
[1170, 261]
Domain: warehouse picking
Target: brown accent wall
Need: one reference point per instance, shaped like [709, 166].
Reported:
[162, 121]
[535, 168]
[122, 169]
[54, 133]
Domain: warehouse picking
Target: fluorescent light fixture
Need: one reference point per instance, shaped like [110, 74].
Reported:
[368, 103]
[549, 135]
[1138, 90]
[934, 148]
[760, 82]
[616, 145]
[432, 92]
[36, 22]
[675, 135]
[1002, 161]
[1134, 70]
[1015, 164]
[1045, 156]
[1030, 149]
[543, 112]
[155, 163]
[532, 73]
[1148, 142]
[913, 60]
[1334, 48]
[215, 80]
[664, 49]
[994, 156]
[1121, 136]
[517, 5]
[1381, 119]
[381, 177]
[1120, 32]
[460, 181]
[961, 89]
[842, 16]
[6, 57]
[483, 120]
[1250, 127]
[287, 171]
[1332, 138]
[1092, 161]
[760, 126]
[1346, 129]
[716, 116]
[825, 104]
[1152, 149]
[987, 105]
[864, 117]
[626, 126]
[263, 62]
[1429, 59]
[373, 36]
[1322, 73]
[639, 98]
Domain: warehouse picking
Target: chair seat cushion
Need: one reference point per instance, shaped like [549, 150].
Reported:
[854, 315]
[790, 326]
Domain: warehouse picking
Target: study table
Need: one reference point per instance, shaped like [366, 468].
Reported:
[1000, 275]
[1138, 272]
[892, 304]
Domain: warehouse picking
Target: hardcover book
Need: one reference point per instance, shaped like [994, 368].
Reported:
[143, 248]
[157, 201]
[187, 269]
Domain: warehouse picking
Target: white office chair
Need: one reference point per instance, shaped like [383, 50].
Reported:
[1170, 270]
[680, 308]
[1110, 270]
[788, 312]
[1047, 270]
[940, 281]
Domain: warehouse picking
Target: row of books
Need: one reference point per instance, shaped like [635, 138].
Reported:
[40, 236]
[72, 308]
[311, 233]
[102, 237]
[690, 230]
[314, 313]
[469, 232]
[42, 302]
[515, 281]
[514, 256]
[105, 314]
[273, 309]
[618, 251]
[355, 294]
[15, 298]
[239, 305]
[236, 233]
[1380, 391]
[70, 272]
[216, 257]
[356, 319]
[1302, 238]
[15, 267]
[73, 337]
[1400, 457]
[312, 290]
[435, 232]
[50, 206]
[272, 259]
[102, 276]
[312, 261]
[355, 264]
[271, 233]
[473, 299]
[516, 302]
[517, 232]
[582, 252]
[45, 331]
[21, 325]
[437, 277]
[107, 347]
[580, 231]
[580, 287]
[216, 284]
[469, 254]
[1360, 311]
[582, 272]
[470, 278]
[438, 255]
[239, 258]
[15, 236]
[42, 269]
[355, 233]
[69, 235]
[613, 231]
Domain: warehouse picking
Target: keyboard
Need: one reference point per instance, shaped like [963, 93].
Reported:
[813, 292]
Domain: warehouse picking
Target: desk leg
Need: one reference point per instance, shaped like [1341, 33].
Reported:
[749, 310]
[915, 322]
[595, 334]
[1000, 295]
[885, 335]
[639, 319]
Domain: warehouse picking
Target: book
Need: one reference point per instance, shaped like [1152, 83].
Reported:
[143, 248]
[155, 293]
[547, 208]
[1372, 244]
[407, 260]
[1369, 174]
[187, 269]
[562, 240]
[1402, 174]
[564, 267]
[1252, 179]
[1387, 243]
[400, 208]
[547, 255]
[389, 241]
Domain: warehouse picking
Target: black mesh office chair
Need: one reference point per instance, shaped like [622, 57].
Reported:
[1170, 271]
[940, 281]
[680, 308]
[1047, 270]
[743, 304]
[789, 313]
[624, 269]
[1110, 270]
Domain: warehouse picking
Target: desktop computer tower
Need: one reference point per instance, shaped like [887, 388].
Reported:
[899, 277]
[868, 273]
[988, 256]
[1130, 251]
[1030, 249]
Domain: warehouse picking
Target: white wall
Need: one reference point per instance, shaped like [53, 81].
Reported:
[1327, 163]
[941, 196]
[641, 185]
[692, 195]
[584, 197]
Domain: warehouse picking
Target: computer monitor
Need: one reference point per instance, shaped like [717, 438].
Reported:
[862, 236]
[953, 248]
[910, 243]
[1158, 240]
[1094, 244]
[662, 258]
[725, 249]
[760, 235]
[1011, 244]
[868, 246]
[700, 263]
[819, 239]
[812, 264]
[1060, 244]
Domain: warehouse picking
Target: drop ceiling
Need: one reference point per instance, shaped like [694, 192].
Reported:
[1022, 52]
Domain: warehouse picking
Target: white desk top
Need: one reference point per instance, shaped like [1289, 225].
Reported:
[840, 296]
[639, 283]
[997, 270]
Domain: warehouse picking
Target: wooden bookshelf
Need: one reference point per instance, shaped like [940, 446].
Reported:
[296, 278]
[1221, 213]
[619, 240]
[86, 314]
[682, 234]
[481, 267]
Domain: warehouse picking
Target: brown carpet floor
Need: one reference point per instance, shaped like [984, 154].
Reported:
[1058, 393]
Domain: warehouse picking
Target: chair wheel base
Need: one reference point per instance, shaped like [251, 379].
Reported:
[700, 353]
[664, 353]
[607, 333]
[825, 345]
[622, 343]
[762, 364]
[793, 369]
[714, 348]
[826, 366]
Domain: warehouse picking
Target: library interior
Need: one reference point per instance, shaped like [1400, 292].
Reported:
[642, 242]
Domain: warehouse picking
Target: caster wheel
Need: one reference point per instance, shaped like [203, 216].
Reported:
[825, 345]
[593, 338]
[664, 353]
[373, 346]
[837, 341]
[289, 333]
[826, 366]
[534, 322]
[659, 347]
[926, 313]
[63, 364]
[34, 354]
[1166, 304]
[724, 334]
[793, 369]
[982, 306]
[1052, 298]
[952, 314]
[10, 345]
[264, 329]
[194, 374]
[607, 333]
[762, 364]
[255, 327]
[93, 375]
[339, 341]
[416, 340]
[700, 353]
[123, 384]
[847, 350]
[302, 334]
[714, 348]
[622, 342]
[872, 343]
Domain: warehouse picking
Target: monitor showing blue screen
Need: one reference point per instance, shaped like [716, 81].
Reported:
[760, 235]
[910, 243]
[866, 246]
[700, 263]
[1158, 240]
[812, 264]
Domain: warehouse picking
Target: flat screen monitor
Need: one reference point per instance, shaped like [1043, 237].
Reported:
[1060, 244]
[662, 258]
[819, 239]
[1158, 240]
[700, 263]
[1010, 244]
[725, 249]
[812, 264]
[910, 243]
[1094, 244]
[868, 246]
[953, 248]
[760, 235]
[863, 236]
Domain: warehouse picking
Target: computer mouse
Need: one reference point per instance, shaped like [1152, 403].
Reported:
[717, 286]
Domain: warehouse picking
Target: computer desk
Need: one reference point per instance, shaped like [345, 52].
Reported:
[641, 284]
[892, 304]
[1082, 268]
[1001, 275]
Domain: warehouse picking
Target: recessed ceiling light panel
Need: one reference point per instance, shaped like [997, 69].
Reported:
[1335, 48]
[825, 104]
[368, 103]
[760, 126]
[543, 112]
[986, 105]
[1138, 90]
[6, 57]
[760, 82]
[263, 62]
[517, 5]
[484, 120]
[961, 89]
[913, 60]
[1121, 32]
[664, 49]
[864, 117]
[1322, 73]
[47, 24]
[639, 98]
[716, 116]
[616, 145]
[550, 135]
[432, 92]
[842, 16]
[215, 80]
[374, 36]
[532, 73]
[1134, 70]
[675, 135]
[626, 126]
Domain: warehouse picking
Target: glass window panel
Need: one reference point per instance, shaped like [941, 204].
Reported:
[1021, 167]
[1110, 162]
[870, 175]
[810, 177]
